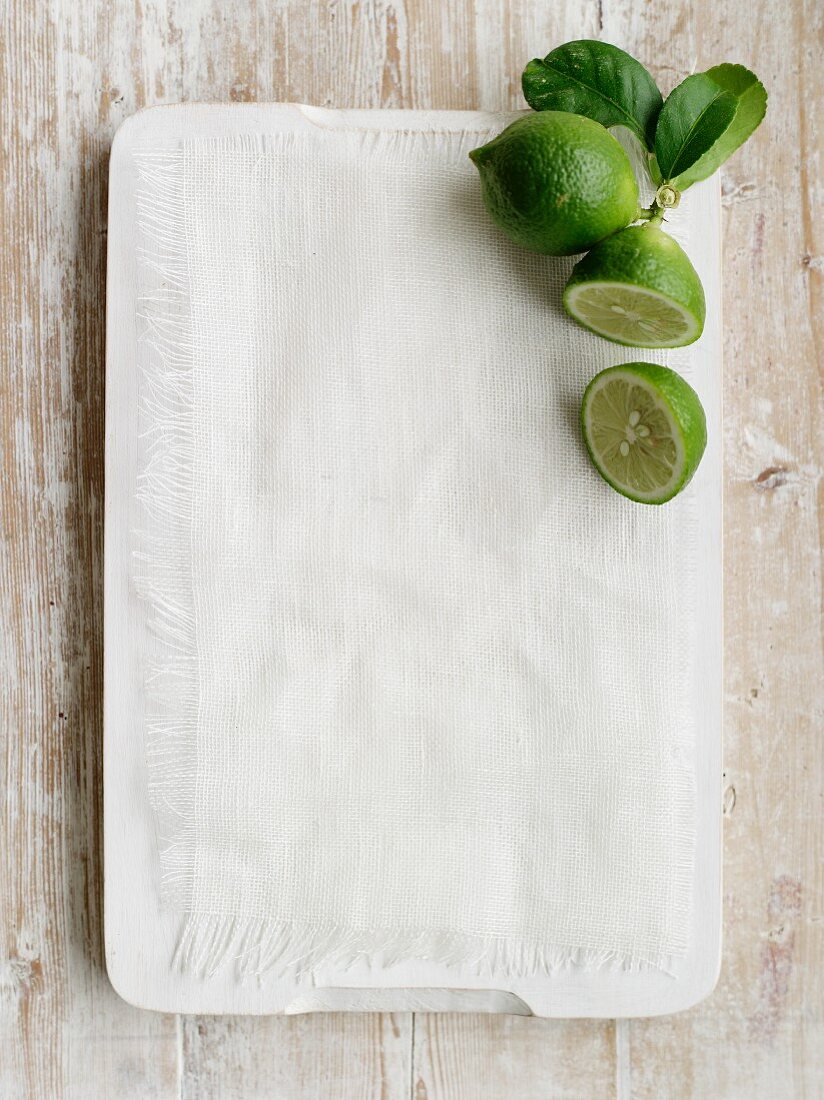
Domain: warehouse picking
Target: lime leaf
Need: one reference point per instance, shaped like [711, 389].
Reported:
[597, 80]
[693, 118]
[750, 109]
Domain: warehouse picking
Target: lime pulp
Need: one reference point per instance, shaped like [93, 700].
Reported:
[632, 315]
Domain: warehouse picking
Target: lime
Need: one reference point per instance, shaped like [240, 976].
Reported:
[639, 288]
[645, 430]
[556, 182]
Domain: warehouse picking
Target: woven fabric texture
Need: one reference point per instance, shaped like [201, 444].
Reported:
[421, 686]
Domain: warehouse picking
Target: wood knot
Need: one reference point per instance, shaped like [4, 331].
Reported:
[772, 478]
[242, 93]
[728, 802]
[23, 975]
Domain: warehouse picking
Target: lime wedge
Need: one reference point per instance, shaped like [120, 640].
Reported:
[638, 288]
[645, 430]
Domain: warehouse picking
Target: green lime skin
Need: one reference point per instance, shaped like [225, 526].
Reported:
[557, 183]
[643, 256]
[671, 430]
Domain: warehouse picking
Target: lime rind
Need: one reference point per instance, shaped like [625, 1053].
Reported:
[644, 429]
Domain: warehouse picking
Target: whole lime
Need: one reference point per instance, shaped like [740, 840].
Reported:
[557, 183]
[638, 288]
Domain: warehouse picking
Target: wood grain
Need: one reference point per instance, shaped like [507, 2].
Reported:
[461, 1057]
[762, 1033]
[300, 1057]
[64, 1032]
[70, 72]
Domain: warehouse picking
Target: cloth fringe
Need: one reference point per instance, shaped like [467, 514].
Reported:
[164, 490]
[257, 948]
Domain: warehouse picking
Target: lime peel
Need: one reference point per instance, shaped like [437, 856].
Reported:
[557, 182]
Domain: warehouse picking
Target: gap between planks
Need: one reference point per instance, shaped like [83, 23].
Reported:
[623, 1065]
[412, 1055]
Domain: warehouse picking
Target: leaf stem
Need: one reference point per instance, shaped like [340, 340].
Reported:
[653, 214]
[666, 198]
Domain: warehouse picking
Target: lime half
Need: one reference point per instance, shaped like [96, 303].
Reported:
[645, 430]
[638, 288]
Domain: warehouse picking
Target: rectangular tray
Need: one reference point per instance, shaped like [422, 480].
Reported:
[139, 935]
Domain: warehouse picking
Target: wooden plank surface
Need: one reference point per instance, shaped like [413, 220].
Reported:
[762, 1033]
[71, 71]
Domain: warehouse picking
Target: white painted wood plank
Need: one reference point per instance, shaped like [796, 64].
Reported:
[70, 73]
[508, 1057]
[761, 1035]
[63, 1030]
[343, 1056]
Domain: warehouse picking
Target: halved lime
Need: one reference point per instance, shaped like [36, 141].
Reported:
[638, 288]
[645, 430]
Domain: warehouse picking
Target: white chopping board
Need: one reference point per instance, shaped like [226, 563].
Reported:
[140, 935]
